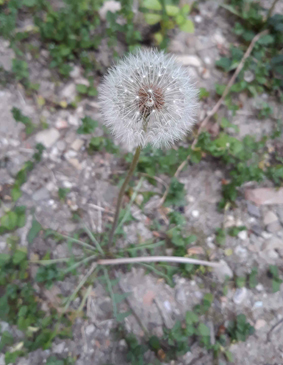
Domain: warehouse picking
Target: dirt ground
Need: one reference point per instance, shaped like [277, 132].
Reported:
[67, 164]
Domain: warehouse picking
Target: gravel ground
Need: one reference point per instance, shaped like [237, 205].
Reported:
[67, 164]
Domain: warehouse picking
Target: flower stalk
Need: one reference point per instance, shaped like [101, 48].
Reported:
[122, 192]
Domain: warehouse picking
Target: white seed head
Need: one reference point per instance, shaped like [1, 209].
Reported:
[148, 98]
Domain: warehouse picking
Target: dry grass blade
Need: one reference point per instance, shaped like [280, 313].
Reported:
[216, 107]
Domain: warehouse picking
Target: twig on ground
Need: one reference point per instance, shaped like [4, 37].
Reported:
[99, 208]
[268, 337]
[132, 260]
[216, 106]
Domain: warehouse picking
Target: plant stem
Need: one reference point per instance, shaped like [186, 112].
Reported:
[121, 193]
[182, 260]
[270, 11]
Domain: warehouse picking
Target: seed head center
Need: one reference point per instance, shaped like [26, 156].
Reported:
[150, 98]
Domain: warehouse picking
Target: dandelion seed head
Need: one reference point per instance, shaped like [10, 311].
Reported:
[148, 98]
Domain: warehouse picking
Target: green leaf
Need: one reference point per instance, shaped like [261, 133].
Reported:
[88, 126]
[229, 356]
[187, 26]
[121, 316]
[203, 330]
[220, 89]
[172, 10]
[152, 5]
[19, 256]
[34, 230]
[191, 318]
[118, 298]
[16, 192]
[92, 91]
[266, 40]
[154, 343]
[29, 3]
[224, 63]
[4, 257]
[186, 9]
[203, 93]
[81, 88]
[152, 19]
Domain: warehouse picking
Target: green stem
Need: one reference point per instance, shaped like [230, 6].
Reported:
[121, 193]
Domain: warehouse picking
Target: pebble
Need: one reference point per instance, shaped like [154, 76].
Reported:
[198, 19]
[260, 323]
[273, 243]
[70, 154]
[61, 145]
[243, 235]
[207, 60]
[241, 251]
[2, 246]
[253, 210]
[256, 229]
[273, 255]
[77, 144]
[75, 163]
[280, 213]
[69, 92]
[73, 120]
[180, 296]
[195, 213]
[47, 137]
[249, 76]
[187, 60]
[58, 349]
[259, 287]
[258, 304]
[75, 73]
[218, 38]
[61, 124]
[274, 227]
[41, 194]
[269, 217]
[67, 184]
[266, 235]
[167, 306]
[223, 271]
[89, 329]
[112, 6]
[240, 295]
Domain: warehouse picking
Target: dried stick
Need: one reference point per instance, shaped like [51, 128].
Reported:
[216, 107]
[132, 260]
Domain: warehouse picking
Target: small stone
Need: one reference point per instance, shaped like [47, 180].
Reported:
[187, 60]
[207, 60]
[47, 137]
[240, 295]
[112, 6]
[41, 194]
[265, 196]
[123, 344]
[75, 162]
[61, 124]
[76, 72]
[195, 213]
[70, 154]
[243, 235]
[269, 217]
[77, 144]
[266, 235]
[229, 221]
[3, 245]
[274, 227]
[58, 349]
[67, 184]
[180, 296]
[253, 210]
[73, 120]
[167, 306]
[273, 254]
[223, 271]
[89, 329]
[256, 229]
[241, 251]
[280, 213]
[249, 76]
[198, 19]
[258, 304]
[274, 243]
[61, 145]
[2, 359]
[260, 323]
[218, 38]
[83, 81]
[69, 92]
[259, 287]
